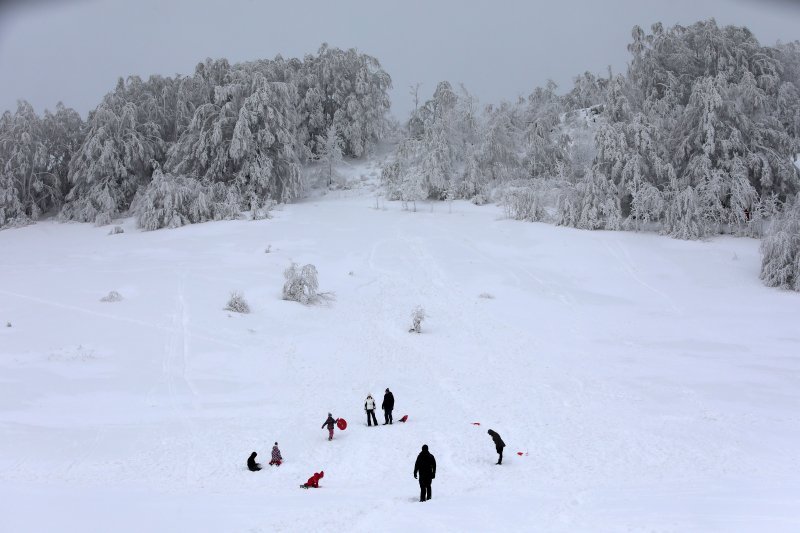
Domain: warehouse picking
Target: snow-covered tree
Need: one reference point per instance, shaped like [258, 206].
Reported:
[329, 153]
[301, 284]
[417, 316]
[116, 157]
[780, 250]
[172, 201]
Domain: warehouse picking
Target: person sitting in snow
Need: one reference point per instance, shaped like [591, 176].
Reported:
[498, 444]
[313, 481]
[369, 407]
[252, 464]
[330, 423]
[276, 456]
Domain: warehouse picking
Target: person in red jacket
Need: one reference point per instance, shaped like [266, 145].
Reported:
[313, 481]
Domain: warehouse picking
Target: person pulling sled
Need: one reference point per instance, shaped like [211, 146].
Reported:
[330, 423]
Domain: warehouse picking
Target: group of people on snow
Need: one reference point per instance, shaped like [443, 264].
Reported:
[276, 460]
[424, 467]
[387, 406]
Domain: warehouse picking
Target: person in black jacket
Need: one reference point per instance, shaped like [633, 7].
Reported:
[498, 444]
[426, 468]
[387, 406]
[252, 464]
[330, 422]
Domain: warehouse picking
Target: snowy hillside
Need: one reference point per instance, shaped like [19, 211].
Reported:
[650, 383]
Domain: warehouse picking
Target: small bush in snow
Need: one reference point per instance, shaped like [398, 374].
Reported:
[8, 324]
[486, 295]
[102, 219]
[237, 303]
[302, 286]
[116, 230]
[268, 249]
[112, 296]
[417, 316]
[780, 250]
[479, 199]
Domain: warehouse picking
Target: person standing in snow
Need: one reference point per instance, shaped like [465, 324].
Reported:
[330, 423]
[276, 456]
[498, 444]
[252, 465]
[387, 406]
[369, 407]
[426, 468]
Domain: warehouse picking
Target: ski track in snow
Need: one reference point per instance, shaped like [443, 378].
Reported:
[630, 417]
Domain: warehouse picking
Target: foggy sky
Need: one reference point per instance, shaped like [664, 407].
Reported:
[74, 50]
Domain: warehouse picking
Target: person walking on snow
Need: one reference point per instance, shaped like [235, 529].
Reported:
[252, 465]
[330, 422]
[498, 444]
[276, 456]
[369, 407]
[387, 406]
[426, 468]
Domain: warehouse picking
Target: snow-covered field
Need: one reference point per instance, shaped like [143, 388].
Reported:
[651, 384]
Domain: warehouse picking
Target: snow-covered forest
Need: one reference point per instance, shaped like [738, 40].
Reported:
[698, 137]
[173, 151]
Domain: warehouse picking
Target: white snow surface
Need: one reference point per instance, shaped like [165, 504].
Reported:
[651, 384]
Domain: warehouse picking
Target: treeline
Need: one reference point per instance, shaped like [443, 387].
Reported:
[698, 137]
[175, 150]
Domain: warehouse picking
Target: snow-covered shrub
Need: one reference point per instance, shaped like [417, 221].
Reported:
[302, 286]
[780, 250]
[486, 296]
[116, 230]
[417, 316]
[479, 199]
[112, 296]
[237, 303]
[268, 249]
[529, 200]
[8, 324]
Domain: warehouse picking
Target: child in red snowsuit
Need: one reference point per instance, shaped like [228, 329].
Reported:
[276, 456]
[313, 481]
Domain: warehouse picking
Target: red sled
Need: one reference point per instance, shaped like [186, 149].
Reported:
[404, 419]
[341, 424]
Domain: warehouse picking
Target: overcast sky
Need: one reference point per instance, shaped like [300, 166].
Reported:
[74, 50]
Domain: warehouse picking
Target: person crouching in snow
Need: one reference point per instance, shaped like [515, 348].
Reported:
[498, 444]
[276, 456]
[369, 407]
[252, 465]
[331, 423]
[313, 481]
